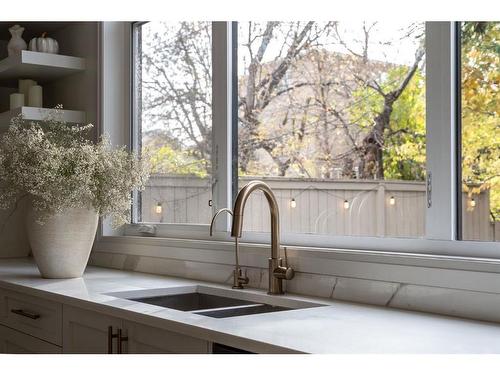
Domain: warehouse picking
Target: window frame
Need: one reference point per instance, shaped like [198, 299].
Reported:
[458, 129]
[442, 152]
[222, 139]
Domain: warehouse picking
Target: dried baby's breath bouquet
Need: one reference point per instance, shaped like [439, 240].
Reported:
[54, 165]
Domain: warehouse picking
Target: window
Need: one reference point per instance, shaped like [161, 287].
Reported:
[351, 124]
[480, 130]
[332, 117]
[173, 119]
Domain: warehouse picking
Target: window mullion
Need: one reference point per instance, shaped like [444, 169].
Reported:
[441, 130]
[221, 120]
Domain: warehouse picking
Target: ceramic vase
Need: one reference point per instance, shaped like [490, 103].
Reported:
[16, 43]
[61, 245]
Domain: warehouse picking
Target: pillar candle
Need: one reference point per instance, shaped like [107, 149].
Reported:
[35, 97]
[24, 86]
[16, 100]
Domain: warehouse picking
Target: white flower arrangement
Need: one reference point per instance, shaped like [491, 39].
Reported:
[57, 167]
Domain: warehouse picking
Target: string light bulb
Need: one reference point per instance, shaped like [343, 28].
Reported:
[159, 208]
[293, 203]
[392, 201]
[472, 202]
[346, 204]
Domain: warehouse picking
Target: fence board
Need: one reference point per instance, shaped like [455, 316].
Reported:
[320, 207]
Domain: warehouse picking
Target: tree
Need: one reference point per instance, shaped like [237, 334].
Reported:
[480, 110]
[348, 94]
[393, 146]
[305, 109]
[376, 113]
[176, 88]
[261, 86]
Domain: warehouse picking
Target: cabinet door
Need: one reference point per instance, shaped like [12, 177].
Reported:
[86, 332]
[143, 339]
[15, 342]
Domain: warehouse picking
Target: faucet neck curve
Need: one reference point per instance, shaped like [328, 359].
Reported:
[239, 209]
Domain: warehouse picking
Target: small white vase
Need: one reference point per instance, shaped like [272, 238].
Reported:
[61, 246]
[16, 43]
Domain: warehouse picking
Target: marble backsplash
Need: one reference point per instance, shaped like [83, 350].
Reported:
[403, 295]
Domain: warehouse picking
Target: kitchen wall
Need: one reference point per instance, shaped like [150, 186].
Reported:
[428, 284]
[78, 91]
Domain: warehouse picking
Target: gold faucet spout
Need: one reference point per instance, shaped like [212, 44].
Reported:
[276, 271]
[239, 209]
[215, 218]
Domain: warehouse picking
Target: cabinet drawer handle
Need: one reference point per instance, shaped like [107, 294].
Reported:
[121, 339]
[26, 314]
[111, 336]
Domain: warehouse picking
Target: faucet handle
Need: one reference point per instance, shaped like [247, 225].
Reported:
[239, 281]
[285, 272]
[243, 279]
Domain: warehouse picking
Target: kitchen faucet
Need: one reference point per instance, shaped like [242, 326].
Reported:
[238, 279]
[277, 272]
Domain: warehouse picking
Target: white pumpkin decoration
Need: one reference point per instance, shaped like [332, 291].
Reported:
[44, 44]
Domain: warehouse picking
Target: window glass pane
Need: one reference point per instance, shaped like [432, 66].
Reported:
[480, 70]
[332, 116]
[173, 115]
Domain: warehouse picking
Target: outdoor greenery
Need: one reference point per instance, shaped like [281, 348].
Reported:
[307, 109]
[481, 111]
[293, 95]
[176, 161]
[404, 148]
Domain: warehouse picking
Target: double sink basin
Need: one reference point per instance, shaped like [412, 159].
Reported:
[214, 302]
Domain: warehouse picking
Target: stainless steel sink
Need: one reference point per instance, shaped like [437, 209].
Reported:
[191, 301]
[215, 302]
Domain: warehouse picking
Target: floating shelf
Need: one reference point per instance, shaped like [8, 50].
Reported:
[42, 67]
[37, 114]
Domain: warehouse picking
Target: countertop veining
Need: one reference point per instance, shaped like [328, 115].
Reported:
[340, 327]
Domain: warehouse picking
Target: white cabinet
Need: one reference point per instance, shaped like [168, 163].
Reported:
[15, 342]
[142, 339]
[90, 332]
[35, 325]
[29, 324]
[34, 316]
[87, 332]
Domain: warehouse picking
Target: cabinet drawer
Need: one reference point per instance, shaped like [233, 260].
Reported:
[34, 316]
[15, 342]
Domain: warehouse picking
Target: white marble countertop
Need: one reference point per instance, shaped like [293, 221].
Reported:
[340, 327]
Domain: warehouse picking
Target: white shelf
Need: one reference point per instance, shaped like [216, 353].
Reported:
[37, 114]
[42, 67]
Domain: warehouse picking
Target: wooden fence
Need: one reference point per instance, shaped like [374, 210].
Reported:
[333, 207]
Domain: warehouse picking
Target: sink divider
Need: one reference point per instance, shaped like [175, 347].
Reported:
[227, 308]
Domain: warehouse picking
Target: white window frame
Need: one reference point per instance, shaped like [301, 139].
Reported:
[441, 216]
[115, 93]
